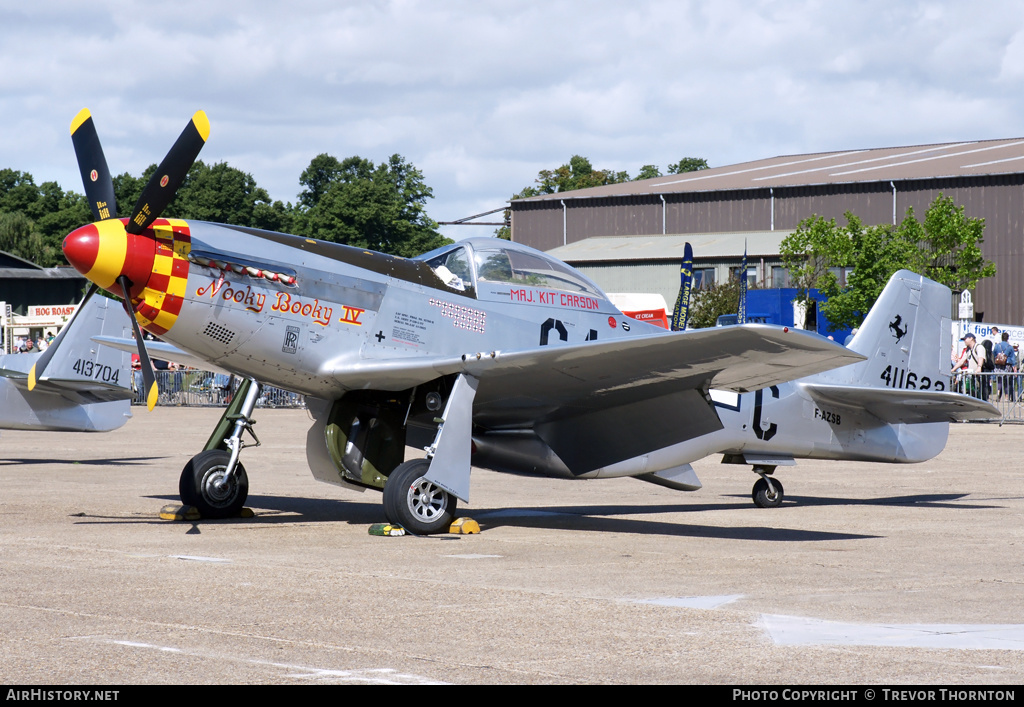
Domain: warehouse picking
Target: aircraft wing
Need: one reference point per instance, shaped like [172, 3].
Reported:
[603, 373]
[159, 350]
[896, 406]
[605, 401]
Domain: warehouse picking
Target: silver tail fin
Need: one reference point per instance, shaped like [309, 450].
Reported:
[907, 338]
[83, 366]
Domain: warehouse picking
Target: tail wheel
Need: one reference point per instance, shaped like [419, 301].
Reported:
[764, 496]
[202, 485]
[416, 504]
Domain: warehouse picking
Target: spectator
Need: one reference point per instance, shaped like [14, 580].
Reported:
[973, 357]
[987, 367]
[1004, 360]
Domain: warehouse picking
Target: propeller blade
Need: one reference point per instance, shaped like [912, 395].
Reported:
[39, 367]
[148, 375]
[170, 174]
[99, 187]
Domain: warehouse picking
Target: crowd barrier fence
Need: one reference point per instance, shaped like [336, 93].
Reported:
[205, 389]
[1003, 389]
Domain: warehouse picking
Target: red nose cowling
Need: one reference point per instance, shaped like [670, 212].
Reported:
[103, 251]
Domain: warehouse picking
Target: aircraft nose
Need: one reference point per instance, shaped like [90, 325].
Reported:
[104, 251]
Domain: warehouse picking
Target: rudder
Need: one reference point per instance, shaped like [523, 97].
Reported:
[907, 338]
[83, 360]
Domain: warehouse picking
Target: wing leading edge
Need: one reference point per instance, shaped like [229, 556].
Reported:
[609, 373]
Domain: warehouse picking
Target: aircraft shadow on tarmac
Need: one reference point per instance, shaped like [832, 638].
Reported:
[119, 461]
[926, 500]
[286, 509]
[271, 509]
[589, 523]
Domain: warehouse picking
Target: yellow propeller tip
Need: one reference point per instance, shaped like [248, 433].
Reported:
[202, 124]
[83, 115]
[32, 378]
[154, 393]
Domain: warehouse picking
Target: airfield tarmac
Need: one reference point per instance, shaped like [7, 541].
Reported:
[868, 574]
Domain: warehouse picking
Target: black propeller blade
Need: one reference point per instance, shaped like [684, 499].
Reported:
[39, 367]
[148, 375]
[158, 193]
[99, 187]
[170, 174]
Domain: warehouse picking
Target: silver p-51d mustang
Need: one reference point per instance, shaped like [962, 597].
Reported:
[484, 350]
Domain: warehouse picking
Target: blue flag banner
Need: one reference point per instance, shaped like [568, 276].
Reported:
[682, 309]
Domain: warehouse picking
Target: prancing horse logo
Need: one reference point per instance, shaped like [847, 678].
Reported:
[894, 327]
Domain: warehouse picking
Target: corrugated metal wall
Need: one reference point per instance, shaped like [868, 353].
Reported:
[999, 199]
[872, 203]
[662, 277]
[538, 223]
[635, 215]
[719, 212]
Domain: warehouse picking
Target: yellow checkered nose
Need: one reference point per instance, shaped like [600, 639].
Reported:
[155, 263]
[104, 251]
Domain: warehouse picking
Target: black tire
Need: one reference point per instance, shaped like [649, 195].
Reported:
[196, 485]
[763, 496]
[414, 503]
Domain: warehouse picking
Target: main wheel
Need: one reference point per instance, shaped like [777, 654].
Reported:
[198, 485]
[763, 495]
[416, 504]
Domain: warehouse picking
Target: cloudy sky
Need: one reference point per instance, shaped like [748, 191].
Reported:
[482, 95]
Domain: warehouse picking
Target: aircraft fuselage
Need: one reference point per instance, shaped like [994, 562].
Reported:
[226, 298]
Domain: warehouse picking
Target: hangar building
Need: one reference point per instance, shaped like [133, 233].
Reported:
[752, 199]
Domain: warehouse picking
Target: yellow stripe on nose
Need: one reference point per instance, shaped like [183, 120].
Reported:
[113, 251]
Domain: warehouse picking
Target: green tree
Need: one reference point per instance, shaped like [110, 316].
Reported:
[18, 236]
[379, 207]
[952, 254]
[945, 248]
[36, 218]
[18, 192]
[64, 212]
[323, 171]
[709, 303]
[648, 171]
[688, 164]
[15, 230]
[128, 189]
[577, 173]
[218, 193]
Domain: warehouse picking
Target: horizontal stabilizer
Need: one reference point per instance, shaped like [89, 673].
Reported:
[81, 392]
[895, 406]
[160, 351]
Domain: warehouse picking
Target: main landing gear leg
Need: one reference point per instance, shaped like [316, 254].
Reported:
[768, 492]
[214, 481]
[421, 495]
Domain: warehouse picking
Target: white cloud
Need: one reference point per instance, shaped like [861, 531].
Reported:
[481, 95]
